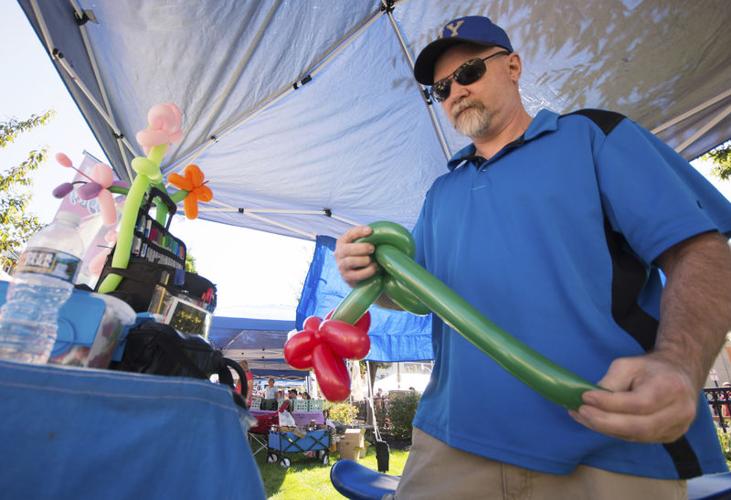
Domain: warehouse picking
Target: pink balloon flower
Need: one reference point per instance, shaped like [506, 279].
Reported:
[164, 126]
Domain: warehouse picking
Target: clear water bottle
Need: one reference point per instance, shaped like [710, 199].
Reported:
[42, 282]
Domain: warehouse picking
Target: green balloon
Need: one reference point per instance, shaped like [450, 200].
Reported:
[125, 233]
[178, 196]
[403, 297]
[359, 300]
[392, 234]
[535, 370]
[148, 172]
[413, 288]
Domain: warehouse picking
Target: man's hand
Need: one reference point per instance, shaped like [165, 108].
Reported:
[655, 396]
[652, 400]
[354, 259]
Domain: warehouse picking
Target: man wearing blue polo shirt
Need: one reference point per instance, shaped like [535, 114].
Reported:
[556, 228]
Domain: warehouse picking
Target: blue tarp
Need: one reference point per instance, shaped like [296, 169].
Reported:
[395, 336]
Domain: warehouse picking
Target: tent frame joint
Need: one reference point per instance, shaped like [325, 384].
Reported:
[307, 79]
[387, 6]
[85, 16]
[327, 212]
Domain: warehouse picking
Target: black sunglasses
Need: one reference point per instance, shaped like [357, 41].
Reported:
[468, 73]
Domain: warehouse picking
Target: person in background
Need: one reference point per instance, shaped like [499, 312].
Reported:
[725, 412]
[286, 404]
[557, 228]
[306, 395]
[270, 392]
[270, 396]
[249, 382]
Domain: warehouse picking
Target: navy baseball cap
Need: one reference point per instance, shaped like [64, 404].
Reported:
[478, 30]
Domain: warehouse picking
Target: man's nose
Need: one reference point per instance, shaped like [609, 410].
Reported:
[457, 92]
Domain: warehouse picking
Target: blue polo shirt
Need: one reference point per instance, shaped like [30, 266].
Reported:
[554, 240]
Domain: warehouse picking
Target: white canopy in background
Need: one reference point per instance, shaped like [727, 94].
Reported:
[309, 105]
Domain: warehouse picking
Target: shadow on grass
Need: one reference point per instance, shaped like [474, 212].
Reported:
[309, 478]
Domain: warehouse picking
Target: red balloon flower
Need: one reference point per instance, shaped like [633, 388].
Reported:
[323, 346]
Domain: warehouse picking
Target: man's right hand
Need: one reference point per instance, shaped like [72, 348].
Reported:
[354, 260]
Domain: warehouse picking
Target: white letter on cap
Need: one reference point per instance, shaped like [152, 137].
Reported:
[453, 27]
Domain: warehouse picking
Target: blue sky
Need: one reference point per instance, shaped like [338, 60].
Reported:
[259, 275]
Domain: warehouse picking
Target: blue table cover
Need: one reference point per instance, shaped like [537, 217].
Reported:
[82, 433]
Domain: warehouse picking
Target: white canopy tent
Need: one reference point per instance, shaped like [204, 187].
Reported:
[304, 114]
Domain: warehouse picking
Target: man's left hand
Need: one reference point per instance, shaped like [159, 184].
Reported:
[649, 399]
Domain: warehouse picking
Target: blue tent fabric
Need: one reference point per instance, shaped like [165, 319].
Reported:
[80, 433]
[321, 93]
[259, 341]
[395, 335]
[248, 333]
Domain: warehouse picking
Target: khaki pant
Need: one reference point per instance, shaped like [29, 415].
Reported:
[437, 471]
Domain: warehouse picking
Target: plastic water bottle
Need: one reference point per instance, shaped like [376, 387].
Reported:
[42, 282]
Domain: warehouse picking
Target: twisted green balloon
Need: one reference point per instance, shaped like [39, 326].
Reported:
[148, 173]
[416, 290]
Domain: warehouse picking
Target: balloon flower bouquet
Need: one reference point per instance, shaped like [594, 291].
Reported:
[164, 129]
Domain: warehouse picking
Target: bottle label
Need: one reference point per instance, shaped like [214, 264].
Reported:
[39, 260]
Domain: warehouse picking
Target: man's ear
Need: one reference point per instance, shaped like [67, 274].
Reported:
[515, 66]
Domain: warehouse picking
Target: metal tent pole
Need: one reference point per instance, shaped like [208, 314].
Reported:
[710, 102]
[82, 16]
[388, 7]
[705, 128]
[57, 56]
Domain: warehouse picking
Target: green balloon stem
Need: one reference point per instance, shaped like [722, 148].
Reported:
[132, 204]
[157, 153]
[538, 372]
[161, 209]
[178, 196]
[359, 300]
[123, 248]
[118, 190]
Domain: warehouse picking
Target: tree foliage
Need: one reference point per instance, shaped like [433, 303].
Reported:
[721, 158]
[17, 224]
[190, 263]
[11, 129]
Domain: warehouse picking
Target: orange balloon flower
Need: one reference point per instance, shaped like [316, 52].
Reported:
[192, 181]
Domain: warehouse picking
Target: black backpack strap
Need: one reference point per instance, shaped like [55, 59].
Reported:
[239, 399]
[230, 363]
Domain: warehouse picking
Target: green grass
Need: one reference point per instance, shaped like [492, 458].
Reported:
[308, 478]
